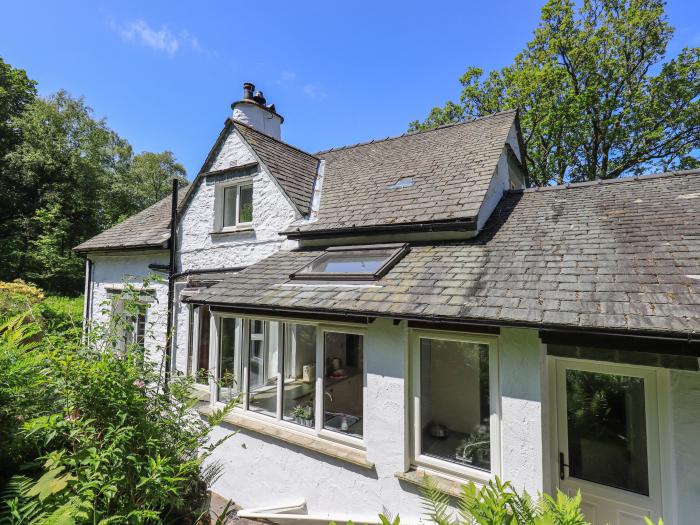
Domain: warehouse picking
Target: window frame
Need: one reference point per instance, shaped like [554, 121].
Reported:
[413, 409]
[400, 251]
[243, 408]
[220, 204]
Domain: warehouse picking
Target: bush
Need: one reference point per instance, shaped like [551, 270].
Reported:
[111, 443]
[496, 503]
[18, 297]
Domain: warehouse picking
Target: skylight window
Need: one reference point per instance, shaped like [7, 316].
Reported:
[352, 263]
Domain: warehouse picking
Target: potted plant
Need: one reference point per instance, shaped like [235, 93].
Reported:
[303, 414]
[475, 447]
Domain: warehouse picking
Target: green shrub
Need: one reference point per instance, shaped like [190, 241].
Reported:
[496, 503]
[112, 444]
[18, 298]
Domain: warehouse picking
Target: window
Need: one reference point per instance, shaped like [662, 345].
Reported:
[363, 263]
[236, 205]
[455, 396]
[294, 372]
[228, 377]
[342, 383]
[132, 323]
[198, 359]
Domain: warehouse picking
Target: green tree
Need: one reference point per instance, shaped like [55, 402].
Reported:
[598, 98]
[66, 176]
[16, 92]
[147, 181]
[59, 175]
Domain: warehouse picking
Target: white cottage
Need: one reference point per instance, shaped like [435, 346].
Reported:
[408, 307]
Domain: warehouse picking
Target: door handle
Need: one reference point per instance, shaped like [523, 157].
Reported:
[562, 465]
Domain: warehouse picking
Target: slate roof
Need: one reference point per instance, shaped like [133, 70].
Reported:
[622, 254]
[450, 167]
[149, 228]
[294, 169]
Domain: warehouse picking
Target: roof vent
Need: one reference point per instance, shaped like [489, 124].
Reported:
[403, 183]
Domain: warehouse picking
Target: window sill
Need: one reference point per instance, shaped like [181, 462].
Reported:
[200, 392]
[416, 476]
[309, 442]
[237, 229]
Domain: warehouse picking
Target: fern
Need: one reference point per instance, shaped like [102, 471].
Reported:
[435, 503]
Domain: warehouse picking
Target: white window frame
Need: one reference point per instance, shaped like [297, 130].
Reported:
[193, 364]
[415, 432]
[242, 337]
[220, 195]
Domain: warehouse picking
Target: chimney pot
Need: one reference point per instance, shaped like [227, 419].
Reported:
[248, 89]
[259, 98]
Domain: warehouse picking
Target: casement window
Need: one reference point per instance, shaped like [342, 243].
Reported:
[455, 403]
[310, 377]
[234, 202]
[132, 323]
[198, 352]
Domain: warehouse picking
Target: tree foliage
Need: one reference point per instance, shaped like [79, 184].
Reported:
[66, 176]
[597, 94]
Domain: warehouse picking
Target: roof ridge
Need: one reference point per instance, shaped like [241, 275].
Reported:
[597, 182]
[236, 122]
[410, 134]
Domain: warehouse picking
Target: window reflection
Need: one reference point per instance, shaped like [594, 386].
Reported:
[299, 374]
[343, 383]
[228, 377]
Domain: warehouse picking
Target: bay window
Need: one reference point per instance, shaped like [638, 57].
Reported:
[454, 384]
[303, 375]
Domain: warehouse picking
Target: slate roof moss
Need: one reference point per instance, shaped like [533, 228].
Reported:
[615, 255]
[450, 167]
[150, 228]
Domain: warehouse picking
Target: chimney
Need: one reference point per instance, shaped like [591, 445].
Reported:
[254, 111]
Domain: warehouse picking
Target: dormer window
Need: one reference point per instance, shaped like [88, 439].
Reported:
[352, 263]
[235, 203]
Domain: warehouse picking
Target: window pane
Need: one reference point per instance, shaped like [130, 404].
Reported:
[229, 211]
[607, 430]
[262, 367]
[455, 411]
[202, 363]
[342, 383]
[245, 213]
[299, 374]
[357, 261]
[229, 383]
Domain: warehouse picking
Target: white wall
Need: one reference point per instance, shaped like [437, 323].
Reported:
[272, 213]
[504, 176]
[112, 271]
[262, 471]
[685, 400]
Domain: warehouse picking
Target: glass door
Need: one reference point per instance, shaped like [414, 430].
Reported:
[608, 447]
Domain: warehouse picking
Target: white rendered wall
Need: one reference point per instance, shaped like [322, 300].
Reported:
[259, 118]
[199, 249]
[261, 471]
[685, 401]
[272, 213]
[501, 181]
[112, 271]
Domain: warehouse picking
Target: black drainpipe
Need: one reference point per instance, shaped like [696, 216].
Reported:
[171, 281]
[88, 297]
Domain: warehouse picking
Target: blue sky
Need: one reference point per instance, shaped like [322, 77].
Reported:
[164, 74]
